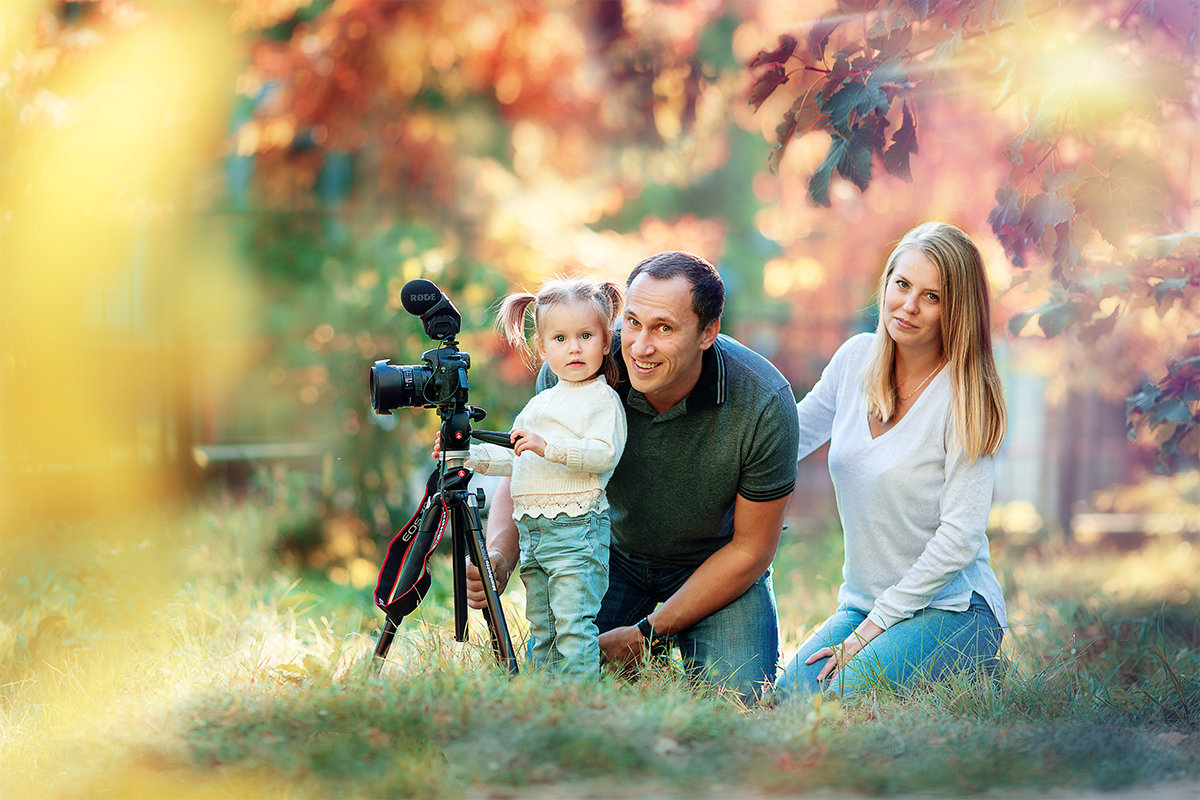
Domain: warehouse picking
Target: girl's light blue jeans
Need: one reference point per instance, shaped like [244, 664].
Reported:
[564, 566]
[928, 646]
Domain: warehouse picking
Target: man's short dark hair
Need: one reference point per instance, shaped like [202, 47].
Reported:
[708, 290]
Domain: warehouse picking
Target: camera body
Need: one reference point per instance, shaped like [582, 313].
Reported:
[441, 380]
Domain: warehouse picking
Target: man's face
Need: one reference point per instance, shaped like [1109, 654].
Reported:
[661, 339]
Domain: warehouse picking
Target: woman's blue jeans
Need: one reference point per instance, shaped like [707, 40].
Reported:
[736, 647]
[928, 646]
[564, 565]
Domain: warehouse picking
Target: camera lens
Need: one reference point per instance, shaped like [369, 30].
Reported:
[394, 386]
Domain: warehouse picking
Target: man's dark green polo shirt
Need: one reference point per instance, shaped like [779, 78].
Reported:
[671, 497]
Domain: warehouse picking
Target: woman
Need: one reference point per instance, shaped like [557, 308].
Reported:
[914, 414]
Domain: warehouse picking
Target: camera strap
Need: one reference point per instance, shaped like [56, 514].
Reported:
[404, 577]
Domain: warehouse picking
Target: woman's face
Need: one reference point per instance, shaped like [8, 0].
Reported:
[912, 303]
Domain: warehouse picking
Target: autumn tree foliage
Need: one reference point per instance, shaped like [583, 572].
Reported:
[478, 144]
[1097, 207]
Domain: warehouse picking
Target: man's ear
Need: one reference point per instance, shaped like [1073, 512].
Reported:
[709, 335]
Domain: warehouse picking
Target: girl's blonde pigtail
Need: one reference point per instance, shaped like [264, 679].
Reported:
[511, 320]
[616, 299]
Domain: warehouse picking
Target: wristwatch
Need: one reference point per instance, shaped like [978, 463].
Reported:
[656, 643]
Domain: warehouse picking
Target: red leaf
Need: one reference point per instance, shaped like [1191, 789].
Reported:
[904, 144]
[890, 46]
[837, 75]
[1046, 211]
[787, 46]
[818, 37]
[1089, 334]
[768, 82]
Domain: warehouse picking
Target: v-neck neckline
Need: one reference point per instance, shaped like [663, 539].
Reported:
[866, 415]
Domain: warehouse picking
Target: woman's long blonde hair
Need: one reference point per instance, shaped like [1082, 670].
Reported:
[980, 419]
[603, 297]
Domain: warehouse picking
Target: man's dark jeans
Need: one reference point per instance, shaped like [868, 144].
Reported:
[736, 647]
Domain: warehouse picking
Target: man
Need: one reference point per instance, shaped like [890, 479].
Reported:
[698, 500]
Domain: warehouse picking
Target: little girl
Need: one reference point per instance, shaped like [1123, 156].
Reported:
[566, 443]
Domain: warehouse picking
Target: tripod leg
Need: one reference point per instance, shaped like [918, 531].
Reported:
[494, 614]
[384, 644]
[459, 557]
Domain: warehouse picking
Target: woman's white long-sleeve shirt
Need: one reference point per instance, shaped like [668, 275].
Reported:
[583, 424]
[914, 510]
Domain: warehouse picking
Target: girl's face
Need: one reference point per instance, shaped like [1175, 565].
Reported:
[572, 340]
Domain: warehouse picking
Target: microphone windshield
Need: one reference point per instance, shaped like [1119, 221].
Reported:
[420, 295]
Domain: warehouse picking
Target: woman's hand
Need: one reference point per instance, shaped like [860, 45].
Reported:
[840, 655]
[525, 440]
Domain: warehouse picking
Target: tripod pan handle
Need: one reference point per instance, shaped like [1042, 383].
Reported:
[493, 437]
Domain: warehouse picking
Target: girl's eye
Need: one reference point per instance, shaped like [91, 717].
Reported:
[560, 338]
[585, 335]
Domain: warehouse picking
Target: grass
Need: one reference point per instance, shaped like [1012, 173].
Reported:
[174, 655]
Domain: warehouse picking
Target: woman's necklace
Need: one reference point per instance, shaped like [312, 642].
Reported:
[922, 383]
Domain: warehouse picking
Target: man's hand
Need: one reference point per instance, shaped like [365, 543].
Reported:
[623, 648]
[502, 571]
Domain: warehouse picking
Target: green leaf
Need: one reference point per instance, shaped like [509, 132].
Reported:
[887, 73]
[818, 184]
[855, 163]
[843, 102]
[1018, 321]
[1144, 398]
[1055, 317]
[1173, 409]
[1167, 288]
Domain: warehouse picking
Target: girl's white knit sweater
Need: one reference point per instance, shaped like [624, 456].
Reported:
[583, 424]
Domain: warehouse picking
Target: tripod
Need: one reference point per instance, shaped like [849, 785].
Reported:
[404, 578]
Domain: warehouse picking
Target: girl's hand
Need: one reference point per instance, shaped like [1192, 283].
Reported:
[524, 440]
[840, 655]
